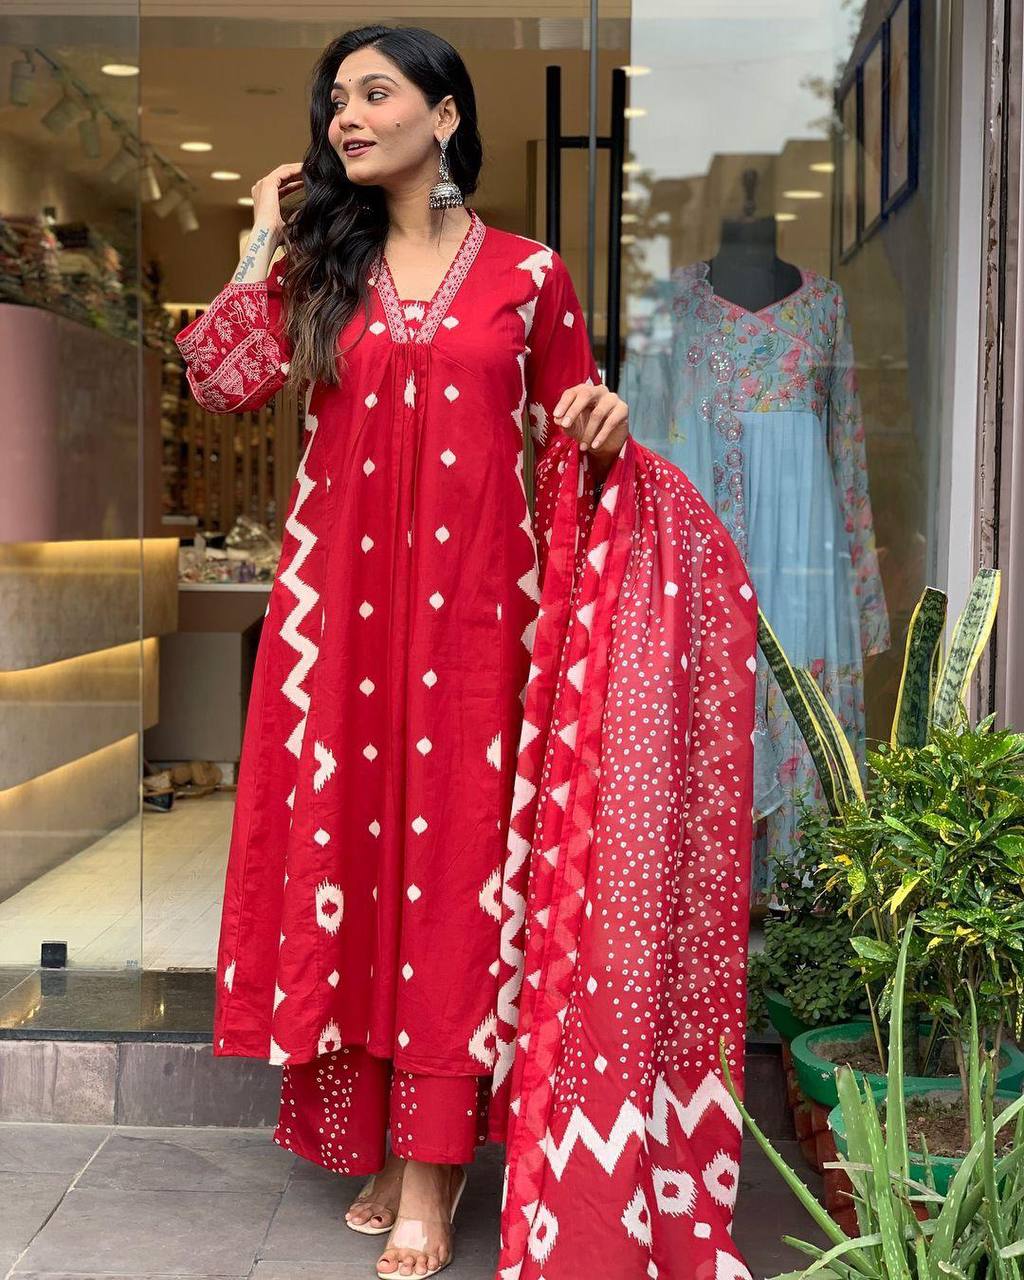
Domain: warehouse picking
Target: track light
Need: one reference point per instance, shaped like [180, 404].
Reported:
[149, 187]
[121, 165]
[77, 105]
[187, 219]
[89, 136]
[23, 81]
[168, 201]
[63, 113]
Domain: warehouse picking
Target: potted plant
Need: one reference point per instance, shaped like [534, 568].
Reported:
[902, 1227]
[940, 802]
[942, 838]
[804, 976]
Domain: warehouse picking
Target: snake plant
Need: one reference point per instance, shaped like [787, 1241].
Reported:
[931, 687]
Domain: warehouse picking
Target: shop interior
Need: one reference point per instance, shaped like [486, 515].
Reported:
[140, 534]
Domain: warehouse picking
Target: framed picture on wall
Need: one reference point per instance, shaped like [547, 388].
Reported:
[848, 167]
[902, 100]
[872, 134]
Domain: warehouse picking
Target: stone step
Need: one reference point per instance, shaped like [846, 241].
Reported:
[165, 1081]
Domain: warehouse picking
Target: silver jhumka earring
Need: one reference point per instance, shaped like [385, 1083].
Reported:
[444, 194]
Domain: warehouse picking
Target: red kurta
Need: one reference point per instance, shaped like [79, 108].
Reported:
[375, 785]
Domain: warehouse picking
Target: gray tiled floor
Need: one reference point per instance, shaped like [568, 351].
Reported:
[81, 1202]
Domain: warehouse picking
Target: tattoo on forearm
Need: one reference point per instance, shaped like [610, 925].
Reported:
[255, 245]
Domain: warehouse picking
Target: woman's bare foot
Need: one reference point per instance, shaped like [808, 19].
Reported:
[377, 1205]
[421, 1239]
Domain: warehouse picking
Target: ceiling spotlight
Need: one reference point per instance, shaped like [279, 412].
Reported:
[631, 166]
[629, 238]
[119, 69]
[23, 78]
[246, 200]
[187, 219]
[785, 217]
[122, 163]
[822, 166]
[149, 187]
[168, 201]
[630, 217]
[89, 136]
[225, 175]
[62, 114]
[801, 194]
[635, 70]
[634, 113]
[196, 146]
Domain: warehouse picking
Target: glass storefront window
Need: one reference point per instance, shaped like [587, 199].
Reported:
[784, 237]
[782, 251]
[78, 652]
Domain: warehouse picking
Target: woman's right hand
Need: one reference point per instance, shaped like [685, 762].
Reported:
[268, 193]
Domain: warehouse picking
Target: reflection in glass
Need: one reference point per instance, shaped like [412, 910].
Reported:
[77, 678]
[770, 352]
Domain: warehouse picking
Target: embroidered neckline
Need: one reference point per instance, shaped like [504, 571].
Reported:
[761, 312]
[437, 307]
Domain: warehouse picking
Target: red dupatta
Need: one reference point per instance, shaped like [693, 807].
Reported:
[625, 895]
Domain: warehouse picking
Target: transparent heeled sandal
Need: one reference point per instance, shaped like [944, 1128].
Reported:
[367, 1228]
[414, 1238]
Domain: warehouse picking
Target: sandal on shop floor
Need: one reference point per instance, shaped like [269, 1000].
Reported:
[418, 1248]
[366, 1228]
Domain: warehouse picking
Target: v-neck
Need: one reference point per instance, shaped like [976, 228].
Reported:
[435, 308]
[763, 311]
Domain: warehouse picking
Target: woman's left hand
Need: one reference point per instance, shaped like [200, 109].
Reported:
[596, 417]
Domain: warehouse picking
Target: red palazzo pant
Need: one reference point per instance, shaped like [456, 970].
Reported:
[337, 1109]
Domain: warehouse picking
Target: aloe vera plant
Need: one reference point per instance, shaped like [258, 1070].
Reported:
[975, 1231]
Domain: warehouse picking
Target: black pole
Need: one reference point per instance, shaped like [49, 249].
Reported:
[553, 157]
[616, 160]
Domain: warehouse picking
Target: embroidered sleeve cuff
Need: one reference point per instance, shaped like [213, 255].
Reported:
[233, 359]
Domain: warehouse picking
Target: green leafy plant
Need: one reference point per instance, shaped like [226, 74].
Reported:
[942, 839]
[906, 1230]
[807, 955]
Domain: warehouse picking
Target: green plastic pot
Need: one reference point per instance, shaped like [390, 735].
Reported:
[943, 1167]
[816, 1075]
[781, 1016]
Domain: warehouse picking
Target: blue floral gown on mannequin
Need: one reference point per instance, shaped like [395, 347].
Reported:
[761, 410]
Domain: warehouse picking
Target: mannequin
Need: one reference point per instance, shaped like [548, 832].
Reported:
[744, 377]
[747, 269]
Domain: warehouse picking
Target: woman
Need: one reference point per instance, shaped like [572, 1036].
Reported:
[360, 933]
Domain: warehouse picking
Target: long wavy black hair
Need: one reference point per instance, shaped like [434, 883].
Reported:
[333, 236]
